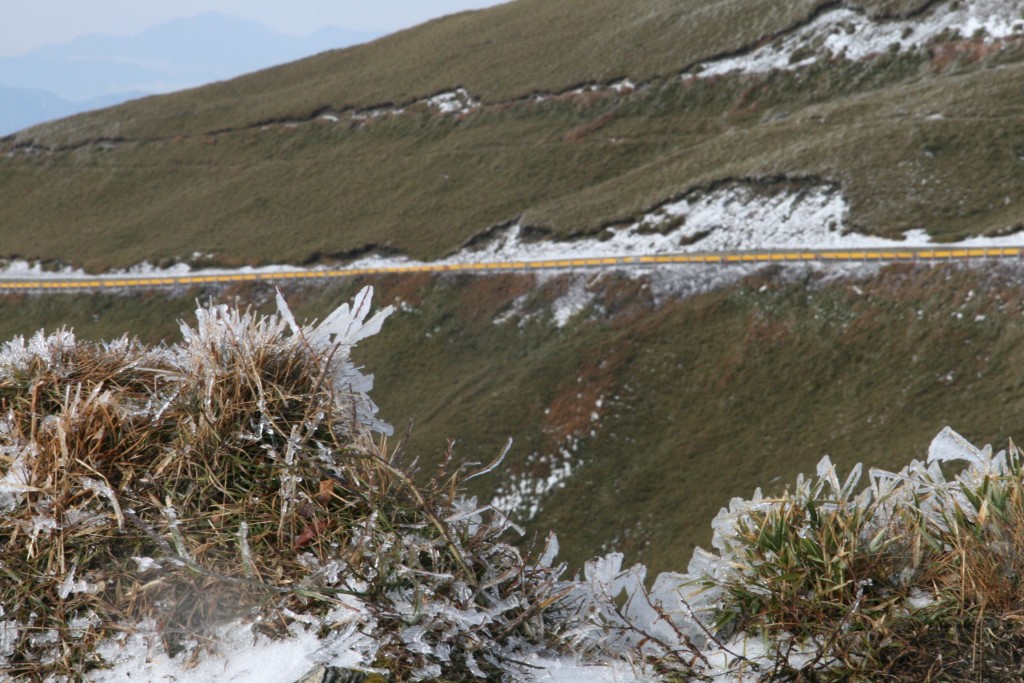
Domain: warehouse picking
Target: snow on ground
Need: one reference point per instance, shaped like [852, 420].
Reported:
[520, 496]
[21, 269]
[241, 657]
[244, 657]
[456, 101]
[738, 217]
[570, 671]
[732, 218]
[844, 33]
[623, 86]
[570, 304]
[836, 34]
[380, 112]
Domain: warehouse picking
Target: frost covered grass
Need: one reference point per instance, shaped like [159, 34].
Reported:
[915, 576]
[235, 475]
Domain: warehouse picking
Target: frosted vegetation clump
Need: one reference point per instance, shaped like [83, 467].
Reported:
[240, 474]
[835, 580]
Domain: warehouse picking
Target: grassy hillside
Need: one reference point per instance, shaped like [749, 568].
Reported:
[500, 54]
[912, 140]
[637, 408]
[701, 398]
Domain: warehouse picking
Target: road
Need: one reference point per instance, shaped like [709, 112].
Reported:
[722, 259]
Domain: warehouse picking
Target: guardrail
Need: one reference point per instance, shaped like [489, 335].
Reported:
[708, 258]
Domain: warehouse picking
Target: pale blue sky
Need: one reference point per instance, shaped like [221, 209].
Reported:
[28, 24]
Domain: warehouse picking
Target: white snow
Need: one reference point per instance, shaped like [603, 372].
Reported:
[844, 33]
[69, 586]
[242, 656]
[520, 495]
[20, 268]
[25, 270]
[573, 302]
[457, 101]
[919, 599]
[515, 309]
[144, 564]
[567, 670]
[737, 217]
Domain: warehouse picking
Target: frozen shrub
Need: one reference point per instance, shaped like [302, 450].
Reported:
[240, 473]
[834, 582]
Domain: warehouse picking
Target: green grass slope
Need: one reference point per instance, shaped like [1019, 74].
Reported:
[704, 398]
[911, 140]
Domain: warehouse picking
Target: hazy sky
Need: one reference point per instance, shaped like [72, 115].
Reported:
[28, 24]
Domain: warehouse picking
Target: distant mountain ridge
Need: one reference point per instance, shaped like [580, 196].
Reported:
[24, 107]
[95, 71]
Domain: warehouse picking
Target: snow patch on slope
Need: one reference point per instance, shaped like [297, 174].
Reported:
[736, 217]
[846, 34]
[570, 304]
[456, 101]
[34, 270]
[740, 217]
[520, 496]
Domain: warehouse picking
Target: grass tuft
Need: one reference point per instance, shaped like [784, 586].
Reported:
[916, 577]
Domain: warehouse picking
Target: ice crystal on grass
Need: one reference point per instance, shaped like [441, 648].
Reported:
[835, 581]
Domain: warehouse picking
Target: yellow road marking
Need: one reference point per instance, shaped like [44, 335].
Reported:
[720, 258]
